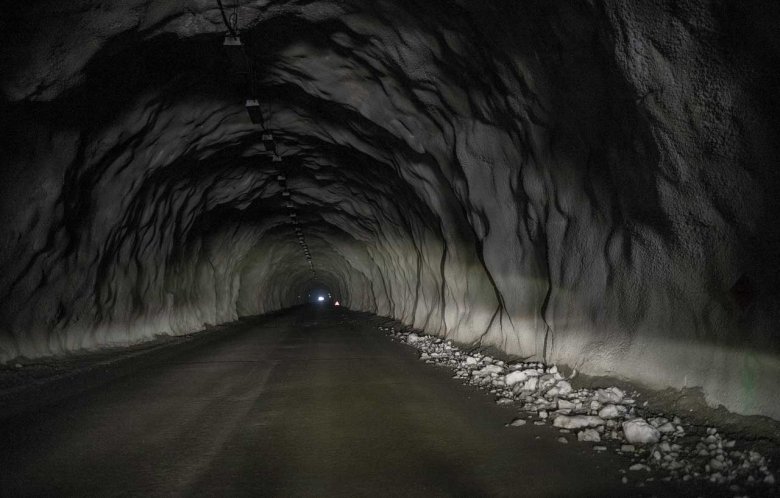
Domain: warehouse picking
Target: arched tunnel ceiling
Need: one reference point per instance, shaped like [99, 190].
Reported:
[590, 183]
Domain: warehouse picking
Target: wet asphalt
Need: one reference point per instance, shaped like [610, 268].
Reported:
[312, 402]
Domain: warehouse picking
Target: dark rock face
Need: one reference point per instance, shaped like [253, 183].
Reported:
[592, 183]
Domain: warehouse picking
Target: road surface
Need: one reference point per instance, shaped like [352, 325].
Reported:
[313, 402]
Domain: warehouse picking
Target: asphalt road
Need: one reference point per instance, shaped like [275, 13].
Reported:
[316, 402]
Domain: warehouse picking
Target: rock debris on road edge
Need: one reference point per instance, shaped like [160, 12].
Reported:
[607, 418]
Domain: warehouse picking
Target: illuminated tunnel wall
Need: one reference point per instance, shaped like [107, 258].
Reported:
[591, 183]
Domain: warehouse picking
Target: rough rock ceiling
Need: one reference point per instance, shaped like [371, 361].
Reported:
[591, 183]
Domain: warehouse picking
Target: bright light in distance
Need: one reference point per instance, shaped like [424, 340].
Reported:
[321, 298]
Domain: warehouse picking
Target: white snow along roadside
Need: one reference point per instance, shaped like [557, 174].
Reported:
[665, 443]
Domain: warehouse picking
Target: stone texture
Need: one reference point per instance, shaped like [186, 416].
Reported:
[591, 183]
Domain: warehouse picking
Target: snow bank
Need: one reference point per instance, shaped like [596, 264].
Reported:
[608, 416]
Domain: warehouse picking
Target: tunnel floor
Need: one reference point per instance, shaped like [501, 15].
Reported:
[313, 402]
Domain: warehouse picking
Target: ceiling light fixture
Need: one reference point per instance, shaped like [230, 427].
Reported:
[235, 53]
[253, 109]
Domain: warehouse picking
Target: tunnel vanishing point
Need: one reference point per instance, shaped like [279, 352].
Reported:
[589, 183]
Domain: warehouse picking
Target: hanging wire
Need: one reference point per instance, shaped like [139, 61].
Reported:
[231, 25]
[253, 94]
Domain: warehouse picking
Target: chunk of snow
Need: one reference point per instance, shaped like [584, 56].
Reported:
[610, 411]
[577, 421]
[657, 421]
[565, 405]
[611, 395]
[515, 377]
[531, 384]
[546, 381]
[638, 431]
[517, 422]
[412, 338]
[590, 435]
[470, 360]
[564, 388]
[487, 370]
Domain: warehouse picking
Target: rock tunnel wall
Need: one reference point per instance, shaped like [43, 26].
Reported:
[592, 183]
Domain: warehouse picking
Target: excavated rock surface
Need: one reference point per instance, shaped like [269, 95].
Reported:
[588, 183]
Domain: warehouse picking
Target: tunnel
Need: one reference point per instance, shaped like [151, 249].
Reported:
[588, 188]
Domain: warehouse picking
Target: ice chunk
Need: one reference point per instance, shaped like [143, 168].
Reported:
[611, 395]
[515, 377]
[531, 384]
[590, 435]
[638, 431]
[565, 405]
[488, 370]
[470, 360]
[517, 422]
[546, 381]
[564, 388]
[611, 411]
[657, 421]
[412, 338]
[577, 421]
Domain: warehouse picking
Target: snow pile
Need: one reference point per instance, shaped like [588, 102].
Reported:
[605, 416]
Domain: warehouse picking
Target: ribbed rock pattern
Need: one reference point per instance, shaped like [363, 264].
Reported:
[592, 183]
